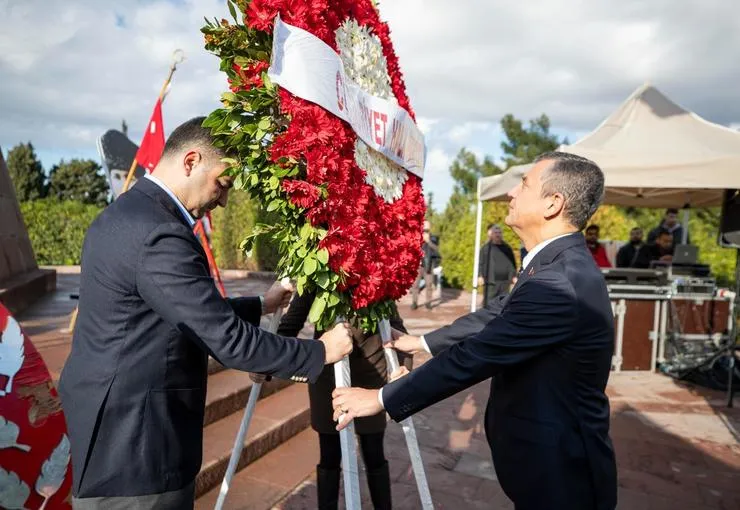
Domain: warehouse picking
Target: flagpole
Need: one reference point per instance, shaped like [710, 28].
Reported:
[200, 229]
[177, 58]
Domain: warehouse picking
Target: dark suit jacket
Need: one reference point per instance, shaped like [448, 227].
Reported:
[366, 362]
[549, 345]
[134, 386]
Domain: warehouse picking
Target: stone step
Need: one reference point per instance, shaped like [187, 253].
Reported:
[277, 418]
[272, 478]
[228, 392]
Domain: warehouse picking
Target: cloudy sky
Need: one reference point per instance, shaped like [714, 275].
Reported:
[70, 70]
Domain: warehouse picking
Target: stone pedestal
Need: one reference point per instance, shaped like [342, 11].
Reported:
[21, 280]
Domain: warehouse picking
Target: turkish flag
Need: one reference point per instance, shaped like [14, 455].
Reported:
[152, 144]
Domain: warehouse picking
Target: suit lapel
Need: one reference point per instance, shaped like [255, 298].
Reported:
[545, 257]
[157, 194]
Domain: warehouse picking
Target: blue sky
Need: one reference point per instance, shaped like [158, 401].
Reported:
[71, 70]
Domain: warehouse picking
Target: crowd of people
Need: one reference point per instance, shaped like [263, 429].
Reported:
[497, 267]
[636, 253]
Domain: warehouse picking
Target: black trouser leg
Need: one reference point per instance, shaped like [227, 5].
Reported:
[378, 475]
[328, 471]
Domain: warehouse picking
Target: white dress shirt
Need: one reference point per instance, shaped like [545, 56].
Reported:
[188, 217]
[525, 264]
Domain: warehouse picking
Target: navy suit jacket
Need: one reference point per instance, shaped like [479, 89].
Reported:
[134, 386]
[549, 345]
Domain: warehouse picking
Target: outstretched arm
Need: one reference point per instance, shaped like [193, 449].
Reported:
[540, 316]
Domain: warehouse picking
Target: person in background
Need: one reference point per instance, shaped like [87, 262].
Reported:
[661, 251]
[496, 265]
[672, 226]
[596, 248]
[368, 367]
[627, 254]
[428, 263]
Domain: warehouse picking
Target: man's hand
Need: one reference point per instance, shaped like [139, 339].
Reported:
[278, 296]
[351, 403]
[666, 258]
[406, 343]
[337, 342]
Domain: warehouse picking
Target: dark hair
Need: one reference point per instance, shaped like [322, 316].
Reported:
[663, 232]
[492, 225]
[592, 228]
[579, 180]
[191, 134]
[671, 210]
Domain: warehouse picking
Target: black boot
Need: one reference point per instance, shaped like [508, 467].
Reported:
[327, 488]
[379, 483]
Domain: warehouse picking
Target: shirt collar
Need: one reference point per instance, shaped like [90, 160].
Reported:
[186, 214]
[534, 251]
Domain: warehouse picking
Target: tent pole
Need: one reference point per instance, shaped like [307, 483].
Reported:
[476, 254]
[685, 229]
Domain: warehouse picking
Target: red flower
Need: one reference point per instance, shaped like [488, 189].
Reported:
[301, 193]
[373, 245]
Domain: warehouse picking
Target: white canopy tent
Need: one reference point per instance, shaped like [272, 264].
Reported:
[653, 154]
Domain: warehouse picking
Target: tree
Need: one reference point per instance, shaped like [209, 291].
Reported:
[523, 145]
[79, 180]
[466, 170]
[26, 173]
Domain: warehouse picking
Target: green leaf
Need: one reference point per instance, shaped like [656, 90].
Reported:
[306, 231]
[323, 256]
[333, 299]
[317, 309]
[301, 252]
[275, 204]
[232, 10]
[214, 119]
[309, 266]
[229, 96]
[300, 284]
[264, 124]
[323, 281]
[239, 181]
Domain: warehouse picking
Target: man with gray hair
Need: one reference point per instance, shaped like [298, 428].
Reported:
[549, 344]
[496, 265]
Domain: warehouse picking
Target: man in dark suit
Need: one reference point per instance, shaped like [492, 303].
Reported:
[549, 345]
[134, 387]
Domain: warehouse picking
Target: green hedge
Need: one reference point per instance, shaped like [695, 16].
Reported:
[232, 224]
[458, 232]
[57, 229]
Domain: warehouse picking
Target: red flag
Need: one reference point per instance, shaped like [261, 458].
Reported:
[152, 144]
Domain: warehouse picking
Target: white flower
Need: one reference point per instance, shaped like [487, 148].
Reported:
[365, 64]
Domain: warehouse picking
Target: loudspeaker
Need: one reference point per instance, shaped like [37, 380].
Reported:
[729, 227]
